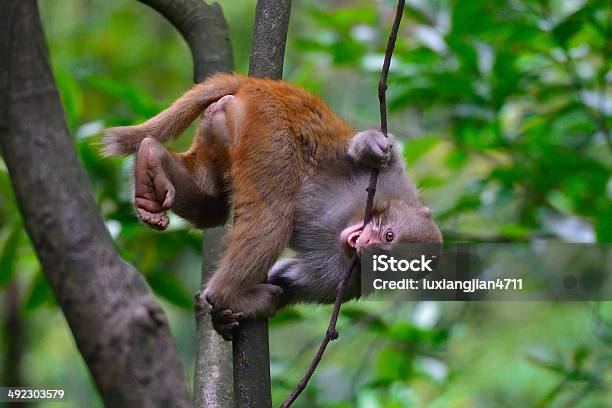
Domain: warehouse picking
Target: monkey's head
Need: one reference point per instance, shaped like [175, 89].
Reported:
[395, 222]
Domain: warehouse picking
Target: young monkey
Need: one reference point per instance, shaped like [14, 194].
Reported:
[296, 175]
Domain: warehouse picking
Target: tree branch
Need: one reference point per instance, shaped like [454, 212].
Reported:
[250, 345]
[269, 38]
[118, 326]
[332, 333]
[204, 28]
[213, 380]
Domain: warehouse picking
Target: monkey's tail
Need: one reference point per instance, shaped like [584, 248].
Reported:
[125, 140]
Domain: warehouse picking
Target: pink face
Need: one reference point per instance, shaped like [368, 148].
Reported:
[415, 225]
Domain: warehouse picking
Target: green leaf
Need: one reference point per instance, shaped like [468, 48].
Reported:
[603, 225]
[8, 253]
[71, 94]
[571, 25]
[416, 14]
[406, 333]
[515, 232]
[506, 77]
[552, 363]
[430, 182]
[139, 101]
[456, 159]
[344, 18]
[469, 16]
[306, 44]
[466, 53]
[347, 51]
[286, 316]
[393, 364]
[170, 288]
[580, 355]
[8, 206]
[360, 316]
[39, 293]
[566, 29]
[416, 148]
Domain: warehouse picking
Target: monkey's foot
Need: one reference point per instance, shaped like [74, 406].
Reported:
[260, 301]
[225, 322]
[158, 221]
[154, 193]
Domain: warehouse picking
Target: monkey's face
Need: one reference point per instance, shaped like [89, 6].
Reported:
[396, 223]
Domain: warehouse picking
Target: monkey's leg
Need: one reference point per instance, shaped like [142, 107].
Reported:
[190, 183]
[154, 193]
[286, 274]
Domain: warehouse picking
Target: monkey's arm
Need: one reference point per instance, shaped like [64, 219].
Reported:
[371, 148]
[187, 184]
[239, 288]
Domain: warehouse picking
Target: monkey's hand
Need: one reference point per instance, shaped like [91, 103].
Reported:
[371, 147]
[154, 193]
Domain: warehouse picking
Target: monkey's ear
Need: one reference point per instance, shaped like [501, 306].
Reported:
[350, 235]
[352, 239]
[426, 211]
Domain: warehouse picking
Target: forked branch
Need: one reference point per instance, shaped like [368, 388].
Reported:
[204, 28]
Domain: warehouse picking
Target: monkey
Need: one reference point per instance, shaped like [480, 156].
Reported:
[294, 174]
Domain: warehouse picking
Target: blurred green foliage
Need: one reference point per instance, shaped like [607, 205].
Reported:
[519, 90]
[502, 109]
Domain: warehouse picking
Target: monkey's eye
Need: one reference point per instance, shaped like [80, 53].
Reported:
[389, 236]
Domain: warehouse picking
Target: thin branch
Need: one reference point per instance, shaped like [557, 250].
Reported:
[332, 333]
[118, 326]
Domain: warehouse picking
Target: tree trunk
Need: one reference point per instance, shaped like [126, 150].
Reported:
[118, 326]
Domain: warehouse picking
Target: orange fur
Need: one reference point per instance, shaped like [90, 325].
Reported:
[279, 133]
[284, 133]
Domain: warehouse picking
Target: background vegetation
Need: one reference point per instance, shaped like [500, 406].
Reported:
[502, 109]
